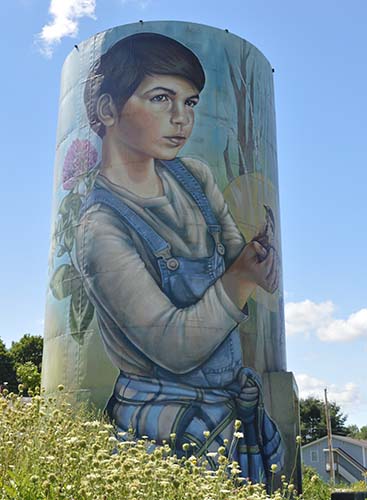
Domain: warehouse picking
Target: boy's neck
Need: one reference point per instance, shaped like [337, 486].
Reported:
[130, 170]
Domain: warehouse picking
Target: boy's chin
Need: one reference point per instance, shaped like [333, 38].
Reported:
[168, 157]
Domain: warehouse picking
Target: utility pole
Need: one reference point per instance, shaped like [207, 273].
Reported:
[329, 439]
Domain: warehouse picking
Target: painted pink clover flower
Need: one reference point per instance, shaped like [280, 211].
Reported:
[81, 157]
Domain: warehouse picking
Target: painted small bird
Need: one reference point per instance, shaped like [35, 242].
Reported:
[266, 235]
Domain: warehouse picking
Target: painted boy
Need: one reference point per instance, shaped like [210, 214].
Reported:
[164, 264]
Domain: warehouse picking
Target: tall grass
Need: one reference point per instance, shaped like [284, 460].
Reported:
[49, 450]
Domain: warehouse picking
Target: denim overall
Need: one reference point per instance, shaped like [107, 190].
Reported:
[213, 395]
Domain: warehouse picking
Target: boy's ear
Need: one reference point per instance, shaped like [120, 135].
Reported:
[106, 110]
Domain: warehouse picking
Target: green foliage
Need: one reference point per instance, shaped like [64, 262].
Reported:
[29, 376]
[81, 312]
[359, 486]
[7, 369]
[50, 450]
[66, 281]
[2, 347]
[28, 348]
[352, 430]
[355, 432]
[313, 422]
[22, 362]
[314, 488]
[68, 218]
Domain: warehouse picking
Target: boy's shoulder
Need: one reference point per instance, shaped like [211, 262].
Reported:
[198, 168]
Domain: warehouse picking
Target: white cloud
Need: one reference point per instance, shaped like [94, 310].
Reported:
[340, 330]
[65, 22]
[309, 317]
[345, 395]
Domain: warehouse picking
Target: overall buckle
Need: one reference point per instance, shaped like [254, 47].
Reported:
[165, 254]
[221, 250]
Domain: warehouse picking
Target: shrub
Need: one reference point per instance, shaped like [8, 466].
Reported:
[314, 488]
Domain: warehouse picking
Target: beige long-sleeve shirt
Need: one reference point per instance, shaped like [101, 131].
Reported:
[139, 325]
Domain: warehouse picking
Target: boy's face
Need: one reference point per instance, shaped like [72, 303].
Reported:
[158, 118]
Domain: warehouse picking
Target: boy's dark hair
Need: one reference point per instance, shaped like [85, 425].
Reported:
[123, 67]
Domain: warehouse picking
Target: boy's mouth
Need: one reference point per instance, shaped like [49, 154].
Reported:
[176, 140]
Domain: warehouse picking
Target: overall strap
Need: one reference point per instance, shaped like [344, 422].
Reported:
[194, 189]
[159, 246]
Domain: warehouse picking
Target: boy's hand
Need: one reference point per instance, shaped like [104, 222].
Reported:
[259, 265]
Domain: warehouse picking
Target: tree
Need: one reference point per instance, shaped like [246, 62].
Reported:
[355, 432]
[28, 348]
[29, 375]
[313, 422]
[7, 369]
[26, 358]
[352, 430]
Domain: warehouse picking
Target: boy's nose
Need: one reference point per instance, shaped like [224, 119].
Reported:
[180, 115]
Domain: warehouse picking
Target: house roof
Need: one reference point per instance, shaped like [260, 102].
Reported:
[358, 442]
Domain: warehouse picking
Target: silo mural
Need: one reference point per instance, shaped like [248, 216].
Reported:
[165, 303]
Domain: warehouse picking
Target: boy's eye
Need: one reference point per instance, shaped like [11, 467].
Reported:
[160, 98]
[191, 103]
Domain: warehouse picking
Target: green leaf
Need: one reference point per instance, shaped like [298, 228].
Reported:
[61, 251]
[90, 178]
[70, 203]
[59, 227]
[81, 311]
[10, 490]
[64, 280]
[69, 237]
[68, 218]
[59, 231]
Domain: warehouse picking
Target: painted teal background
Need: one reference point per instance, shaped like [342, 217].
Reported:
[76, 358]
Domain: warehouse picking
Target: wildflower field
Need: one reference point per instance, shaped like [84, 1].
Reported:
[49, 450]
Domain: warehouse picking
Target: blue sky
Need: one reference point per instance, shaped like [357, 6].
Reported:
[318, 52]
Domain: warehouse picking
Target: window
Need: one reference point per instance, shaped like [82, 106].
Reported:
[314, 456]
